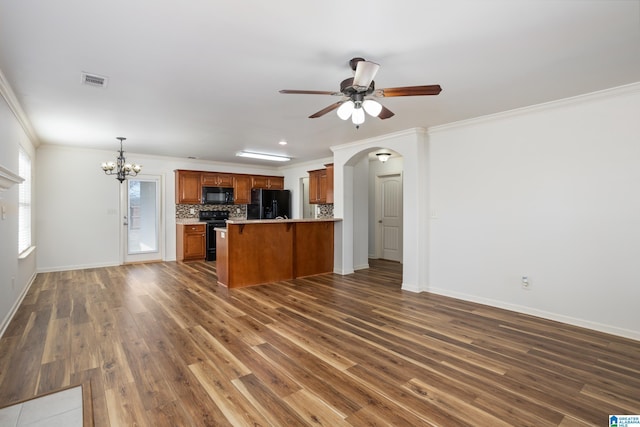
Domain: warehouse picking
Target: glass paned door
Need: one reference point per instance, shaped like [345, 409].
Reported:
[142, 220]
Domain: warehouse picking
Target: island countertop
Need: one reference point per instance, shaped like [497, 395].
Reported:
[278, 221]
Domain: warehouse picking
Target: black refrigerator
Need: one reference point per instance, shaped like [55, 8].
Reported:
[269, 204]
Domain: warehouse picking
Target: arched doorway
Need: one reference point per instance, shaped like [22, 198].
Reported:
[349, 161]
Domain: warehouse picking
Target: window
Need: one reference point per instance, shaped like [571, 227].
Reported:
[24, 202]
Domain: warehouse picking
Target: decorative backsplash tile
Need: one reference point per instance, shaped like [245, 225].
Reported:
[325, 211]
[235, 211]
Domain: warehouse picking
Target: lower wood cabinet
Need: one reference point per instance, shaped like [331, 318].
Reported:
[191, 242]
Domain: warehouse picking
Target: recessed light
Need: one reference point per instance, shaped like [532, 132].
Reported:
[262, 156]
[283, 142]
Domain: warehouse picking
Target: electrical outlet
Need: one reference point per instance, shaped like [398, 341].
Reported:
[192, 211]
[526, 284]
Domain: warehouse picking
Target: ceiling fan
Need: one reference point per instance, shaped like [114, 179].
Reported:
[358, 90]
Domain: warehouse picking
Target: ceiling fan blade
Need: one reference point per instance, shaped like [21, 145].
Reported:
[326, 110]
[365, 72]
[409, 91]
[310, 92]
[385, 113]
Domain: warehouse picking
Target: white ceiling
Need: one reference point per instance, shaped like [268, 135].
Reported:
[201, 78]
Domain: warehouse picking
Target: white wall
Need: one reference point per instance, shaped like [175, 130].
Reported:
[78, 213]
[15, 274]
[552, 193]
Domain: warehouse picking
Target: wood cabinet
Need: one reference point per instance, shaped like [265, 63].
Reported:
[321, 185]
[188, 187]
[191, 242]
[269, 182]
[329, 198]
[215, 179]
[256, 252]
[242, 189]
[318, 186]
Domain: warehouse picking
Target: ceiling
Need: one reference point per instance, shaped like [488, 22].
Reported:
[201, 78]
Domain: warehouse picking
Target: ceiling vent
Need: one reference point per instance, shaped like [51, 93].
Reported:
[94, 80]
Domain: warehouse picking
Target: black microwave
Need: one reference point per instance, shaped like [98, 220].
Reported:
[217, 196]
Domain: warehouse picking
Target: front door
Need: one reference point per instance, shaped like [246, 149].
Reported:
[142, 220]
[390, 217]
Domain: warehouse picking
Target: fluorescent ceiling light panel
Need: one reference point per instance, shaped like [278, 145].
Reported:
[263, 156]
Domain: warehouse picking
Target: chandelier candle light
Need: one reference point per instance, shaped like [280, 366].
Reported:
[122, 169]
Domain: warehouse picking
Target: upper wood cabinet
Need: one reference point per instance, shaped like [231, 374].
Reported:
[329, 167]
[318, 186]
[188, 187]
[242, 189]
[321, 185]
[214, 179]
[269, 182]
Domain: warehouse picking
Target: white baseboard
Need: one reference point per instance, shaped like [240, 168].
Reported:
[583, 323]
[75, 267]
[5, 322]
[361, 267]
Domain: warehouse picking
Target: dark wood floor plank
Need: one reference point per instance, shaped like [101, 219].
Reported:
[162, 344]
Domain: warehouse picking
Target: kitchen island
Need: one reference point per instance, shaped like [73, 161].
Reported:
[253, 252]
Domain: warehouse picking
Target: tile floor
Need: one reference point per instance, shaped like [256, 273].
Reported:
[61, 409]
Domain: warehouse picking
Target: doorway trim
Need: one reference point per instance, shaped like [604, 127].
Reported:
[161, 223]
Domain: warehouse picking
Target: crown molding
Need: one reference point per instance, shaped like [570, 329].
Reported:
[9, 96]
[605, 93]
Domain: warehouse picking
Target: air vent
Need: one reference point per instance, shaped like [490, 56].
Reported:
[94, 80]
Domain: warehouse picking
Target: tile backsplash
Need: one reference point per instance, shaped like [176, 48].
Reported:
[324, 211]
[235, 211]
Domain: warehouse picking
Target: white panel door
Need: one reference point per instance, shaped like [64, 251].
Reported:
[390, 217]
[141, 220]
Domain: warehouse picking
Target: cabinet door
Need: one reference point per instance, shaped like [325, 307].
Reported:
[259, 182]
[209, 179]
[329, 192]
[188, 187]
[213, 179]
[242, 189]
[225, 180]
[276, 182]
[322, 186]
[194, 245]
[314, 187]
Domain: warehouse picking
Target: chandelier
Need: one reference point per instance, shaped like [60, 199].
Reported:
[120, 168]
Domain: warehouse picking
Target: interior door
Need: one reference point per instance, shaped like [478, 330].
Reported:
[142, 219]
[390, 217]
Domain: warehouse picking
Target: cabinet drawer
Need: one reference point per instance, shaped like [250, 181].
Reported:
[194, 228]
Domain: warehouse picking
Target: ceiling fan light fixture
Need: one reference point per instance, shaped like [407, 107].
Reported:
[373, 108]
[345, 110]
[357, 117]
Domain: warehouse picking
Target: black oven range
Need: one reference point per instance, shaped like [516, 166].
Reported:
[214, 219]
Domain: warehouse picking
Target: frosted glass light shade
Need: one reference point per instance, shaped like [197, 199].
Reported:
[357, 116]
[345, 110]
[373, 108]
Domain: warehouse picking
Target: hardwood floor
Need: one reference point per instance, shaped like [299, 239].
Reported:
[162, 345]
